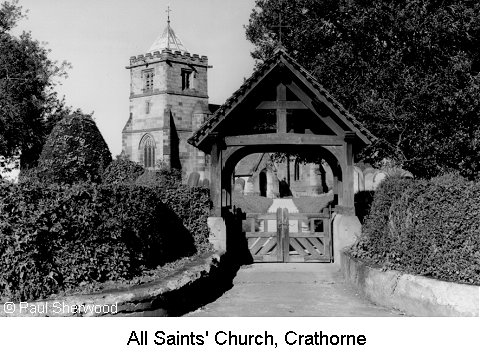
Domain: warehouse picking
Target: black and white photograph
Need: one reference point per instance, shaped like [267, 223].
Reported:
[232, 174]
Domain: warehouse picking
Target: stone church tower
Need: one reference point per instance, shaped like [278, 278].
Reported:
[168, 102]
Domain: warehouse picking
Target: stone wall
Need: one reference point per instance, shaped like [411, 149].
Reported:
[414, 295]
[196, 284]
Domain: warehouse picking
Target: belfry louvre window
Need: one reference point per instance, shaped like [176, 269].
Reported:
[148, 152]
[148, 81]
[187, 79]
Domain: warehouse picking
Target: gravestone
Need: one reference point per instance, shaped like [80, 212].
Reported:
[193, 179]
[239, 185]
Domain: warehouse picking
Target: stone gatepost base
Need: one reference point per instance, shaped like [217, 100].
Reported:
[346, 229]
[218, 233]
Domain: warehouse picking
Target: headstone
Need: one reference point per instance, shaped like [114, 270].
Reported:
[206, 183]
[358, 179]
[239, 185]
[193, 179]
[328, 176]
[249, 187]
[369, 174]
[378, 178]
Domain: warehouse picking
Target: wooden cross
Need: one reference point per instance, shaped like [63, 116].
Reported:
[281, 105]
[280, 27]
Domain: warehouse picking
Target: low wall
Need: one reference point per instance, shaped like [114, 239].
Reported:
[191, 286]
[414, 295]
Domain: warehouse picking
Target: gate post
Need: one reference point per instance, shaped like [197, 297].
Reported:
[346, 229]
[285, 235]
[218, 233]
[279, 235]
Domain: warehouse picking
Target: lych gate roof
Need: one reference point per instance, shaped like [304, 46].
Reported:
[168, 40]
[281, 58]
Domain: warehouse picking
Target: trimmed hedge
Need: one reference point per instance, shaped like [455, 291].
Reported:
[122, 171]
[191, 204]
[363, 202]
[74, 152]
[429, 228]
[56, 238]
[162, 177]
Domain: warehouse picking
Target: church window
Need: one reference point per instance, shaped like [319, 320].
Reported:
[148, 80]
[296, 172]
[187, 79]
[263, 182]
[147, 107]
[148, 146]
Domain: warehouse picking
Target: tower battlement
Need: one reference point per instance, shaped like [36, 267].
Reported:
[168, 55]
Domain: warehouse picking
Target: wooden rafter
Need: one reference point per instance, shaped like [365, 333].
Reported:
[309, 104]
[325, 101]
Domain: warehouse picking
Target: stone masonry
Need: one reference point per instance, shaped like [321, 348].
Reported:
[168, 102]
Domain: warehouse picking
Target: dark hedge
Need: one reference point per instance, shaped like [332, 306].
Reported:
[56, 238]
[363, 203]
[184, 200]
[74, 152]
[429, 228]
[122, 171]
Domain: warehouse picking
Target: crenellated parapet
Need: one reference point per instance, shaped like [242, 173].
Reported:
[168, 55]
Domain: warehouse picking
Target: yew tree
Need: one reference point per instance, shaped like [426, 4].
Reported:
[29, 106]
[408, 70]
[75, 151]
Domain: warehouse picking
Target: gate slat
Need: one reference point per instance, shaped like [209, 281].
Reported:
[307, 244]
[295, 244]
[311, 249]
[317, 244]
[268, 246]
[257, 246]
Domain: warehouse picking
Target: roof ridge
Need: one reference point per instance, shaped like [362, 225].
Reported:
[329, 96]
[238, 92]
[279, 51]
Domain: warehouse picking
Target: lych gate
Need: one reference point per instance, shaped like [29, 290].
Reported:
[282, 108]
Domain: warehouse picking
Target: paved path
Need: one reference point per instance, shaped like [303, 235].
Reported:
[291, 290]
[283, 203]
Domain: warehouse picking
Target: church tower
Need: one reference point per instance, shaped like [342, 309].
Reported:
[168, 102]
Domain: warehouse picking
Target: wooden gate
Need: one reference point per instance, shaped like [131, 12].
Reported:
[284, 237]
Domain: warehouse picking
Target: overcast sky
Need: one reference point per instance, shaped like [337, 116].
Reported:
[98, 37]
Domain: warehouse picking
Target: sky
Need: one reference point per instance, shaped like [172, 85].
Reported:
[98, 37]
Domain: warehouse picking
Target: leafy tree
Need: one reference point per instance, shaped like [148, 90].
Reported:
[75, 151]
[29, 106]
[408, 70]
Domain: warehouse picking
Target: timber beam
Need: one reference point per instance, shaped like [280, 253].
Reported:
[282, 139]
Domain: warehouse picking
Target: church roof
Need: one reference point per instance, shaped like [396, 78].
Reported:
[168, 40]
[280, 56]
[249, 164]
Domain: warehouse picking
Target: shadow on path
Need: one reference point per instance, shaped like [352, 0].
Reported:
[305, 289]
